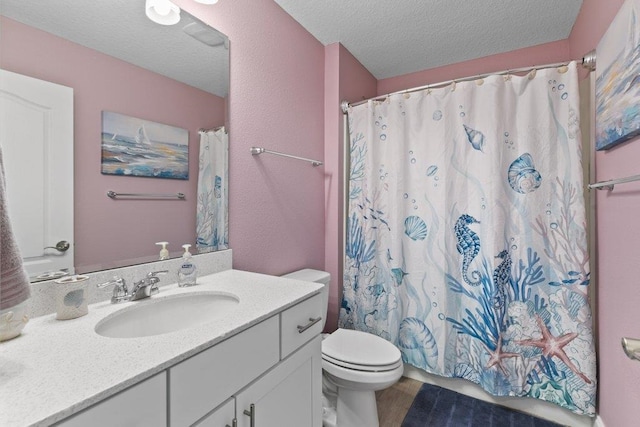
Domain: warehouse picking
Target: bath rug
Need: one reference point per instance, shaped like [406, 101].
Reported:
[438, 407]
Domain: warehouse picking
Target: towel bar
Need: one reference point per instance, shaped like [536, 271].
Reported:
[259, 150]
[114, 195]
[608, 185]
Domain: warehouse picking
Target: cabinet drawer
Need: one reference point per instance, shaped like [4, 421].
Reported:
[143, 404]
[297, 324]
[207, 379]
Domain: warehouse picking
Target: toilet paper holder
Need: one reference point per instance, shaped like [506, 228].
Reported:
[631, 347]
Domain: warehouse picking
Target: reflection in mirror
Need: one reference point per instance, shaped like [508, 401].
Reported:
[115, 59]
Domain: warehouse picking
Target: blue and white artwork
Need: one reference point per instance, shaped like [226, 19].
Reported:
[138, 147]
[618, 79]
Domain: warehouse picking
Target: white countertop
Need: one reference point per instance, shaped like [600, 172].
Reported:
[57, 368]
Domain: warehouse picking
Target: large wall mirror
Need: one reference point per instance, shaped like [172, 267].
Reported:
[117, 60]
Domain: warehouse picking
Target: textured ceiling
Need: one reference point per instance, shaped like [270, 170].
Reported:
[121, 29]
[389, 37]
[396, 37]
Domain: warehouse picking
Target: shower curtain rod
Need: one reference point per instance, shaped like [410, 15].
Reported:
[588, 61]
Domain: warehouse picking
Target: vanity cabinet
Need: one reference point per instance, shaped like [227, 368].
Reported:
[221, 417]
[207, 379]
[144, 404]
[273, 371]
[288, 395]
[269, 375]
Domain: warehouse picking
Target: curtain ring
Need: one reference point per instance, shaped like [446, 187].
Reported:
[532, 74]
[563, 69]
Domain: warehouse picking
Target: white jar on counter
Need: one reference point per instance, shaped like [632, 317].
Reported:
[71, 297]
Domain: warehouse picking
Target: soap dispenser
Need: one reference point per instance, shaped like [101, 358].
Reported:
[187, 273]
[164, 252]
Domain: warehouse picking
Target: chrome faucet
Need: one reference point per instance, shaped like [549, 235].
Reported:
[141, 289]
[146, 287]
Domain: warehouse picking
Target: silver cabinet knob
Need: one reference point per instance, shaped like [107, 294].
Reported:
[61, 246]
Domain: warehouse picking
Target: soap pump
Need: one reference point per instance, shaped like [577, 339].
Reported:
[187, 273]
[164, 252]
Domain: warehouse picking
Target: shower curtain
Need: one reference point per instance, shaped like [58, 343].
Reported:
[466, 236]
[212, 223]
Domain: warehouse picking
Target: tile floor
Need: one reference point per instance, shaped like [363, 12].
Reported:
[394, 402]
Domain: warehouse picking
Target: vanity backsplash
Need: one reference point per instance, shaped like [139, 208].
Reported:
[43, 296]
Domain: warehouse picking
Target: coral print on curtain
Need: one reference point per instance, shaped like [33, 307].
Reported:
[466, 236]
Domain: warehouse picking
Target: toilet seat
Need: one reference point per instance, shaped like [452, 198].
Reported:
[364, 368]
[360, 351]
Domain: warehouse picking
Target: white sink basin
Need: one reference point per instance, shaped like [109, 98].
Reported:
[161, 315]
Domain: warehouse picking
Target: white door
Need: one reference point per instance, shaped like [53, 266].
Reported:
[36, 135]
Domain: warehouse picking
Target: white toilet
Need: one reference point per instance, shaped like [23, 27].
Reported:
[354, 366]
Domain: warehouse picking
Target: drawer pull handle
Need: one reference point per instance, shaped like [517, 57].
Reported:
[233, 424]
[251, 413]
[312, 322]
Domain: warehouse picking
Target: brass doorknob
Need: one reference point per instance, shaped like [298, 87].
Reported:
[61, 246]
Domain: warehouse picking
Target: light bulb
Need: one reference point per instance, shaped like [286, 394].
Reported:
[162, 12]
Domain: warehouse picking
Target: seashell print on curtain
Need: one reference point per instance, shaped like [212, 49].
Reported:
[466, 235]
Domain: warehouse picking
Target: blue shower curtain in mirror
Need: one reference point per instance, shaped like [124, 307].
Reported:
[212, 221]
[466, 241]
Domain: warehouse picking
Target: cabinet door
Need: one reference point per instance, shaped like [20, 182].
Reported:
[222, 416]
[288, 395]
[204, 381]
[142, 405]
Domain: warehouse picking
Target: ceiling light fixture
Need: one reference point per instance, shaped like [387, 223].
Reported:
[204, 34]
[207, 1]
[162, 12]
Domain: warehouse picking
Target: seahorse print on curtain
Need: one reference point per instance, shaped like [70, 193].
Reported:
[466, 236]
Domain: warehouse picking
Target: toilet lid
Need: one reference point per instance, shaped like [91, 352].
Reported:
[359, 349]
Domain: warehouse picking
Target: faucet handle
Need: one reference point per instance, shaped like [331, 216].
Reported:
[117, 281]
[155, 273]
[120, 291]
[153, 280]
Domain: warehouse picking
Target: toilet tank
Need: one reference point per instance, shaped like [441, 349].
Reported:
[317, 276]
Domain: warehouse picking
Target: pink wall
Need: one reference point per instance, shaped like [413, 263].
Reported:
[617, 254]
[541, 54]
[104, 227]
[276, 212]
[345, 79]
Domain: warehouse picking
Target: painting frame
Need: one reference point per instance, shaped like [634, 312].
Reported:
[618, 79]
[137, 147]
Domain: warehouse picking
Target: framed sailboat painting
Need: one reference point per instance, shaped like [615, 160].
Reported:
[618, 79]
[138, 147]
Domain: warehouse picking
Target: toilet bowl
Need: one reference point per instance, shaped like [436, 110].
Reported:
[355, 365]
